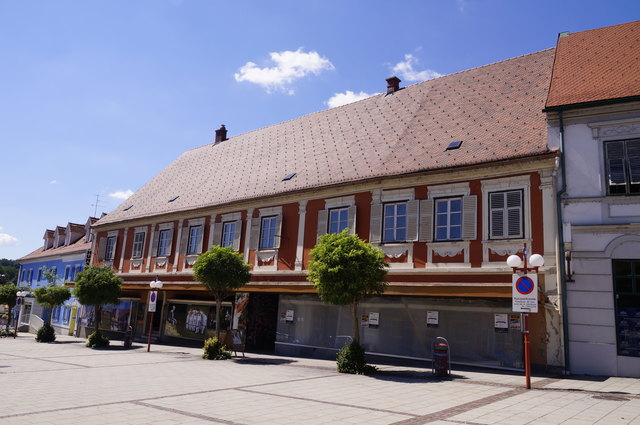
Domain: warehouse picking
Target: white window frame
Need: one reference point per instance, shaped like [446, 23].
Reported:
[332, 204]
[626, 167]
[67, 273]
[227, 237]
[141, 243]
[110, 248]
[448, 213]
[338, 211]
[505, 246]
[165, 247]
[272, 239]
[506, 216]
[194, 246]
[395, 228]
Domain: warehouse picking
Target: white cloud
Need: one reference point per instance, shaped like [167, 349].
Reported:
[7, 240]
[53, 182]
[339, 99]
[406, 72]
[289, 66]
[121, 194]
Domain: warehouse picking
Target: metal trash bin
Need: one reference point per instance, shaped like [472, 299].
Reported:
[441, 357]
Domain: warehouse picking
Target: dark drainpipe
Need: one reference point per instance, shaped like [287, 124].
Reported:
[561, 265]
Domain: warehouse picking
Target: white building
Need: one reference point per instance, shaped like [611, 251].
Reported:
[593, 112]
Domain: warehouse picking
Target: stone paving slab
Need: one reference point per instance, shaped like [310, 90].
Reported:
[66, 382]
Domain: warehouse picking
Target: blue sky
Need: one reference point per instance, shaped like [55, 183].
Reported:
[96, 97]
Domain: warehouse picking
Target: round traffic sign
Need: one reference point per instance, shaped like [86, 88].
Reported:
[524, 285]
[153, 296]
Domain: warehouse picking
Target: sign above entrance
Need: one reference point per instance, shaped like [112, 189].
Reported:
[525, 293]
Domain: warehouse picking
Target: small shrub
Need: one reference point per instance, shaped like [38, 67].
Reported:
[97, 340]
[214, 349]
[351, 359]
[46, 333]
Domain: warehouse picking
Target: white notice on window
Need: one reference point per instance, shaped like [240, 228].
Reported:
[432, 318]
[289, 316]
[374, 318]
[501, 321]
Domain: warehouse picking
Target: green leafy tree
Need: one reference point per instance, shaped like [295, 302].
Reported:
[8, 296]
[345, 269]
[221, 270]
[97, 286]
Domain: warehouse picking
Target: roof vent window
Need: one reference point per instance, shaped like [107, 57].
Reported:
[174, 198]
[288, 177]
[128, 208]
[454, 145]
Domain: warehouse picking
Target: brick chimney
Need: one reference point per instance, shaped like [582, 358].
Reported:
[221, 134]
[393, 84]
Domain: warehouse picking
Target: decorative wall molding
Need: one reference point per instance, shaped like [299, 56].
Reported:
[505, 247]
[447, 250]
[161, 261]
[136, 264]
[190, 259]
[615, 129]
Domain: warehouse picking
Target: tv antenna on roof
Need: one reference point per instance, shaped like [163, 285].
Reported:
[95, 210]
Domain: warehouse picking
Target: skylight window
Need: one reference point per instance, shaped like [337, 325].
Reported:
[174, 198]
[128, 208]
[454, 145]
[288, 177]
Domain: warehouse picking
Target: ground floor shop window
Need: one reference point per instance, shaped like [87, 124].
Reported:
[195, 321]
[115, 317]
[626, 279]
[406, 327]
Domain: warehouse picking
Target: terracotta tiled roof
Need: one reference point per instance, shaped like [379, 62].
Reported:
[76, 247]
[496, 110]
[595, 65]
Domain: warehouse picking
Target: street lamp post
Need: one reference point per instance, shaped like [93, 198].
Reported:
[525, 284]
[20, 295]
[153, 296]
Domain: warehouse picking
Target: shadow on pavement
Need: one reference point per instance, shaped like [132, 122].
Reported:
[259, 361]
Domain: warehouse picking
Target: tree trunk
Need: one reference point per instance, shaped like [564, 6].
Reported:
[356, 324]
[48, 318]
[218, 308]
[9, 317]
[97, 312]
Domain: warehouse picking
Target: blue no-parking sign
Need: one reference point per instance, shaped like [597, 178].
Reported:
[524, 293]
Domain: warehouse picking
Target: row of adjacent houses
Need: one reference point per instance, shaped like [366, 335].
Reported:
[65, 252]
[448, 177]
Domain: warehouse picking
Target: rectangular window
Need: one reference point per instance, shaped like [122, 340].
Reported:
[623, 167]
[39, 274]
[228, 234]
[72, 273]
[163, 243]
[195, 235]
[29, 275]
[268, 233]
[138, 245]
[395, 222]
[78, 269]
[506, 215]
[67, 273]
[448, 220]
[626, 282]
[110, 248]
[338, 220]
[66, 315]
[55, 314]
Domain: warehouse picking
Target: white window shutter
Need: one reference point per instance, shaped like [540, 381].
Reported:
[469, 208]
[217, 234]
[412, 220]
[255, 232]
[170, 243]
[186, 231]
[514, 214]
[322, 222]
[278, 236]
[115, 247]
[201, 241]
[102, 248]
[236, 236]
[426, 220]
[375, 228]
[154, 244]
[352, 220]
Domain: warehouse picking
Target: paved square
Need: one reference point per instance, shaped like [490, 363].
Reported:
[67, 383]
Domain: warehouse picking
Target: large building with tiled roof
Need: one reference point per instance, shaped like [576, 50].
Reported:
[593, 110]
[66, 250]
[448, 177]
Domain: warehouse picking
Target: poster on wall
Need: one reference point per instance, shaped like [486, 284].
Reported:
[374, 319]
[240, 311]
[364, 320]
[514, 322]
[432, 319]
[114, 317]
[289, 316]
[500, 322]
[195, 321]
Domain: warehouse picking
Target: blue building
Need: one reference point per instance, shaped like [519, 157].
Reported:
[66, 251]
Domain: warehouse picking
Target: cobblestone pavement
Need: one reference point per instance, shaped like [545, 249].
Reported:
[67, 383]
